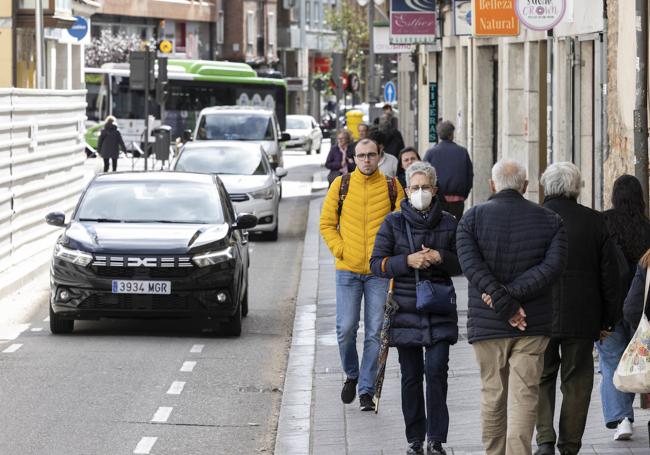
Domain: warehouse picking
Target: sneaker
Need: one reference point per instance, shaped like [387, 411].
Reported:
[435, 448]
[624, 430]
[349, 390]
[415, 448]
[545, 448]
[365, 402]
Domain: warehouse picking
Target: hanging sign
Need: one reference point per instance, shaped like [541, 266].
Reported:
[494, 18]
[412, 21]
[540, 14]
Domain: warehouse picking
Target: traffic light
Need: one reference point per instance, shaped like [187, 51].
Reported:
[162, 82]
[390, 68]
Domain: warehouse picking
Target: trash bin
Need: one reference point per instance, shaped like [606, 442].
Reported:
[353, 120]
[162, 135]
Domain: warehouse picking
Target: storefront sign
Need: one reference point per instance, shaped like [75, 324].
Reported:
[433, 112]
[540, 14]
[462, 17]
[494, 18]
[382, 43]
[412, 21]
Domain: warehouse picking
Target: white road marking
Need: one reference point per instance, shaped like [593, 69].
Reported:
[188, 366]
[197, 348]
[12, 348]
[11, 332]
[47, 319]
[162, 414]
[145, 445]
[37, 329]
[176, 388]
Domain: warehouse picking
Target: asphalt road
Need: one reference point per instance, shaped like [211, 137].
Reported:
[160, 387]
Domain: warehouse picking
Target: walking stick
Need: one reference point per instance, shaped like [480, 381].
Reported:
[390, 308]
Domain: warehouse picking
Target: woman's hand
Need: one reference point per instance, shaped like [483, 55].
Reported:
[418, 260]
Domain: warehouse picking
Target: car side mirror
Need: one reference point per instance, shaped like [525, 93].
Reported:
[284, 137]
[55, 219]
[246, 221]
[281, 172]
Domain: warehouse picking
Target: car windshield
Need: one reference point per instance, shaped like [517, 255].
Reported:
[236, 127]
[298, 123]
[151, 201]
[226, 160]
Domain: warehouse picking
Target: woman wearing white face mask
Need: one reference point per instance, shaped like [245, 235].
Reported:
[419, 243]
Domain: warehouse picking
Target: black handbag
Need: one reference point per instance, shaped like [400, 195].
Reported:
[434, 298]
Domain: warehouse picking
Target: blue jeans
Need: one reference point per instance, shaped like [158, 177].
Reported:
[434, 366]
[616, 405]
[350, 288]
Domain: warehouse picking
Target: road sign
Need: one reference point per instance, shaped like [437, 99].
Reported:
[165, 46]
[390, 92]
[353, 82]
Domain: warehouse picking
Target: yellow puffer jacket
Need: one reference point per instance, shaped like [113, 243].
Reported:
[366, 205]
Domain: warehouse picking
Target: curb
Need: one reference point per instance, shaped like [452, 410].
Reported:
[14, 308]
[294, 423]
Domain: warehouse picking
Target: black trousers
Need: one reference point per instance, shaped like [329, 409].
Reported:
[434, 423]
[114, 162]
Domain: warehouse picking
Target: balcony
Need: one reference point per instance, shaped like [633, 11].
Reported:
[56, 13]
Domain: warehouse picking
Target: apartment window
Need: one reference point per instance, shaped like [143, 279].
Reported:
[250, 31]
[308, 12]
[272, 33]
[220, 27]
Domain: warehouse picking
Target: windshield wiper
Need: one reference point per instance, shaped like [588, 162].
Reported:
[164, 221]
[102, 220]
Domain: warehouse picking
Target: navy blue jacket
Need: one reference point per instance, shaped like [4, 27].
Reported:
[435, 230]
[514, 250]
[633, 306]
[453, 166]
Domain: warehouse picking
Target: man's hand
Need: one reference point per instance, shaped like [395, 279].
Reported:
[518, 320]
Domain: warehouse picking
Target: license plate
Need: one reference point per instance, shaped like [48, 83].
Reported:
[141, 287]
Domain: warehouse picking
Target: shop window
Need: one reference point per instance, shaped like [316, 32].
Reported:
[220, 25]
[272, 27]
[180, 37]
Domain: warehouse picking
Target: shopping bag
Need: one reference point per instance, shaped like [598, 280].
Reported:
[633, 371]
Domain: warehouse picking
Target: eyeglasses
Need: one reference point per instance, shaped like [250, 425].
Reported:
[421, 187]
[367, 156]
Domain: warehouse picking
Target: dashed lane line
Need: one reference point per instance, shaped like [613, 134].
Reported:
[162, 414]
[13, 348]
[188, 366]
[176, 388]
[47, 319]
[37, 329]
[197, 348]
[145, 445]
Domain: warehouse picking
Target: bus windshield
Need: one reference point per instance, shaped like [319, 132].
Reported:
[236, 127]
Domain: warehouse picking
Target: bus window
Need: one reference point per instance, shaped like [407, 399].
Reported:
[93, 90]
[127, 103]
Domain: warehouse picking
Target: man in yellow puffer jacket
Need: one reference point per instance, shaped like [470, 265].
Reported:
[351, 239]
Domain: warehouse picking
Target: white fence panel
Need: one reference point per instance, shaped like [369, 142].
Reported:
[40, 166]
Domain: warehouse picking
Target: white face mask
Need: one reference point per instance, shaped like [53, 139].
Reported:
[421, 199]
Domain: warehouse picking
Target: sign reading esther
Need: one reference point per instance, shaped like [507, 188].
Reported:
[494, 18]
[412, 21]
[540, 14]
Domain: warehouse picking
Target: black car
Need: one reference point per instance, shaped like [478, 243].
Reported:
[151, 244]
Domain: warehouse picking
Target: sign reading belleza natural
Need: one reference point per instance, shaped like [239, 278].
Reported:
[540, 14]
[494, 18]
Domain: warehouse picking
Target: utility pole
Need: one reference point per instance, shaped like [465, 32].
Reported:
[40, 53]
[371, 51]
[641, 102]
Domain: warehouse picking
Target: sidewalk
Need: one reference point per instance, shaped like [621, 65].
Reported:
[314, 421]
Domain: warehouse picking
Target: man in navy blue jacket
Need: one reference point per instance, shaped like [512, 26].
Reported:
[512, 251]
[454, 169]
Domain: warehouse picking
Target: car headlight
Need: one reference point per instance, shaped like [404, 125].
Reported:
[213, 257]
[76, 257]
[264, 193]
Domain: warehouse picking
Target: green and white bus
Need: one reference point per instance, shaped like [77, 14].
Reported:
[193, 85]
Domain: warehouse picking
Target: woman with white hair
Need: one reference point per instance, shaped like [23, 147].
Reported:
[109, 143]
[418, 245]
[585, 309]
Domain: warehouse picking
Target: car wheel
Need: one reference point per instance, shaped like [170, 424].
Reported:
[272, 235]
[59, 325]
[233, 326]
[244, 305]
[318, 149]
[308, 148]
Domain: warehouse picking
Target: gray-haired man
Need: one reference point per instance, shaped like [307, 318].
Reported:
[512, 251]
[586, 292]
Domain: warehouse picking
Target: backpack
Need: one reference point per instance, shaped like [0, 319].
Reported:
[345, 186]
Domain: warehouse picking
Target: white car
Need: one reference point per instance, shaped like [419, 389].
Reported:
[305, 133]
[253, 185]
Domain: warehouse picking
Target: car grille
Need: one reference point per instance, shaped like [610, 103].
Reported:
[142, 267]
[239, 197]
[136, 302]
